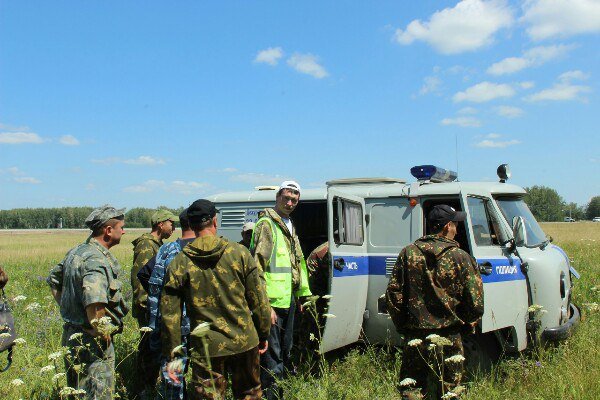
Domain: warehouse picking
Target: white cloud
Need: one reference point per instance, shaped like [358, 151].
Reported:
[573, 76]
[470, 25]
[533, 57]
[69, 140]
[269, 56]
[27, 179]
[20, 138]
[430, 84]
[177, 186]
[493, 136]
[560, 92]
[465, 122]
[141, 160]
[491, 141]
[509, 111]
[467, 111]
[527, 84]
[90, 187]
[561, 18]
[483, 92]
[258, 179]
[307, 64]
[14, 171]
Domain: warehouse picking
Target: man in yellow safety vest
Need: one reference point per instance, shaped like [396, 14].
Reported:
[277, 251]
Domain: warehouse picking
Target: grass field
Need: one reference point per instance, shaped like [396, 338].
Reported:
[569, 371]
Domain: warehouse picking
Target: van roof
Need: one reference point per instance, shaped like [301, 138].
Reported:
[376, 190]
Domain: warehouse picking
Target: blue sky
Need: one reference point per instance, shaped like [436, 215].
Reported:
[147, 104]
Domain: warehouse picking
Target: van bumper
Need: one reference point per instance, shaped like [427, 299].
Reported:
[563, 332]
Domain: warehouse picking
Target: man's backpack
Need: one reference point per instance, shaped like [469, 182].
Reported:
[7, 331]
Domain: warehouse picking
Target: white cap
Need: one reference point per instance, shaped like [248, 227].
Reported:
[292, 185]
[248, 226]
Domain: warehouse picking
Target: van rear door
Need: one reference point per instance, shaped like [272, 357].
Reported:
[349, 269]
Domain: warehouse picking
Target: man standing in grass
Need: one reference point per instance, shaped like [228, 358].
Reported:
[222, 288]
[86, 286]
[145, 248]
[434, 295]
[277, 252]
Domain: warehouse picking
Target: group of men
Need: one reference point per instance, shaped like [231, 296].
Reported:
[228, 310]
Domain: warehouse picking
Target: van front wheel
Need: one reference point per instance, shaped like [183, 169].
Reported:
[482, 351]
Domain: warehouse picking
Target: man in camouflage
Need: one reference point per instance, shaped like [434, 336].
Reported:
[145, 248]
[247, 229]
[283, 263]
[434, 296]
[86, 286]
[228, 307]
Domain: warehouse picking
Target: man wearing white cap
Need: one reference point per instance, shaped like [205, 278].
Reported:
[277, 251]
[247, 234]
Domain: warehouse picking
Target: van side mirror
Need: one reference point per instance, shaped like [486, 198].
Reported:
[519, 231]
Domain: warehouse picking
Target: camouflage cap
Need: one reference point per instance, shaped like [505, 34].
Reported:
[163, 215]
[101, 215]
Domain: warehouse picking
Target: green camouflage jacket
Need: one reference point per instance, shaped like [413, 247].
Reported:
[88, 274]
[318, 265]
[434, 285]
[262, 245]
[220, 284]
[144, 248]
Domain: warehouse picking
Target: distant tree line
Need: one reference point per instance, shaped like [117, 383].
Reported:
[547, 205]
[69, 217]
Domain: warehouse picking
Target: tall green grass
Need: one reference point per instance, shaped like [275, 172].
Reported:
[569, 371]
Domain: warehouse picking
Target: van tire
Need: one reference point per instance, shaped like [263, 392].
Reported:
[482, 351]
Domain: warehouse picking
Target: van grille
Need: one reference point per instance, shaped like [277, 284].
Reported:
[389, 266]
[233, 218]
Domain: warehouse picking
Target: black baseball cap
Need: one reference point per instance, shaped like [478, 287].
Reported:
[201, 210]
[183, 216]
[441, 214]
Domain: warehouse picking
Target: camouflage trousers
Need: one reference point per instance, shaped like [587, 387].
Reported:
[211, 383]
[89, 363]
[147, 363]
[427, 362]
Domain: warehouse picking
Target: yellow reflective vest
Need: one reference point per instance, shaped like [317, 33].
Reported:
[278, 273]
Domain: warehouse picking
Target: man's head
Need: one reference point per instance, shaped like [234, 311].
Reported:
[106, 224]
[443, 220]
[287, 198]
[184, 221]
[247, 233]
[163, 223]
[202, 215]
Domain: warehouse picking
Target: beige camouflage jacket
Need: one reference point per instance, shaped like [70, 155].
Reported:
[144, 248]
[220, 284]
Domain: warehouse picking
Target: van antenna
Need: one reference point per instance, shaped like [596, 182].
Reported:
[456, 154]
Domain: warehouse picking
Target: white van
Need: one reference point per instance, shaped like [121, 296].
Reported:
[369, 220]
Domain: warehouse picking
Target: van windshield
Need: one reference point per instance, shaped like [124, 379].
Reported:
[517, 208]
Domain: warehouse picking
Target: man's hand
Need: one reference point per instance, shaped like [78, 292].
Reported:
[175, 369]
[57, 294]
[3, 278]
[263, 346]
[273, 317]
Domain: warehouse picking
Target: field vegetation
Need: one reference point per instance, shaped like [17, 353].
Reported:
[568, 371]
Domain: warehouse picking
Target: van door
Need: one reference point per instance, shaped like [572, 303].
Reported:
[504, 284]
[349, 269]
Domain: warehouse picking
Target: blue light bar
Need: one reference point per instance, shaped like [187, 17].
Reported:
[433, 173]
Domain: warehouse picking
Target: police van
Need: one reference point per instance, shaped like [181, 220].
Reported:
[367, 221]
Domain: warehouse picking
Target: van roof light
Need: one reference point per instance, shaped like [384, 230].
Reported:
[433, 173]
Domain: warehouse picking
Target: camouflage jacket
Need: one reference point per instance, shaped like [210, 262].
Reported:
[220, 284]
[88, 274]
[434, 285]
[318, 265]
[262, 245]
[144, 248]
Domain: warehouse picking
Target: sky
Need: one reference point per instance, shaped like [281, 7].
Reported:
[161, 103]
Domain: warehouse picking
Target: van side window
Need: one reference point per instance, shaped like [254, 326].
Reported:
[484, 223]
[347, 222]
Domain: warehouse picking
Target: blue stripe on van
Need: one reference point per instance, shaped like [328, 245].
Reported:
[503, 269]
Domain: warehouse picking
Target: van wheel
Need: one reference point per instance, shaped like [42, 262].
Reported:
[482, 351]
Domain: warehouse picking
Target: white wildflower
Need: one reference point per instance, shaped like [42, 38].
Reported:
[312, 337]
[329, 315]
[457, 358]
[76, 335]
[534, 308]
[145, 329]
[306, 303]
[201, 330]
[58, 376]
[4, 335]
[415, 342]
[431, 346]
[176, 350]
[449, 395]
[20, 341]
[67, 391]
[594, 288]
[432, 337]
[327, 297]
[17, 382]
[19, 298]
[33, 307]
[55, 356]
[47, 368]
[408, 382]
[591, 306]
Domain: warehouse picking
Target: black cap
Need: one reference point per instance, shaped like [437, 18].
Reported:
[201, 210]
[441, 214]
[184, 215]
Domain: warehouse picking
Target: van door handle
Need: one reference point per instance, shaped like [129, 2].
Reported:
[339, 264]
[485, 268]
